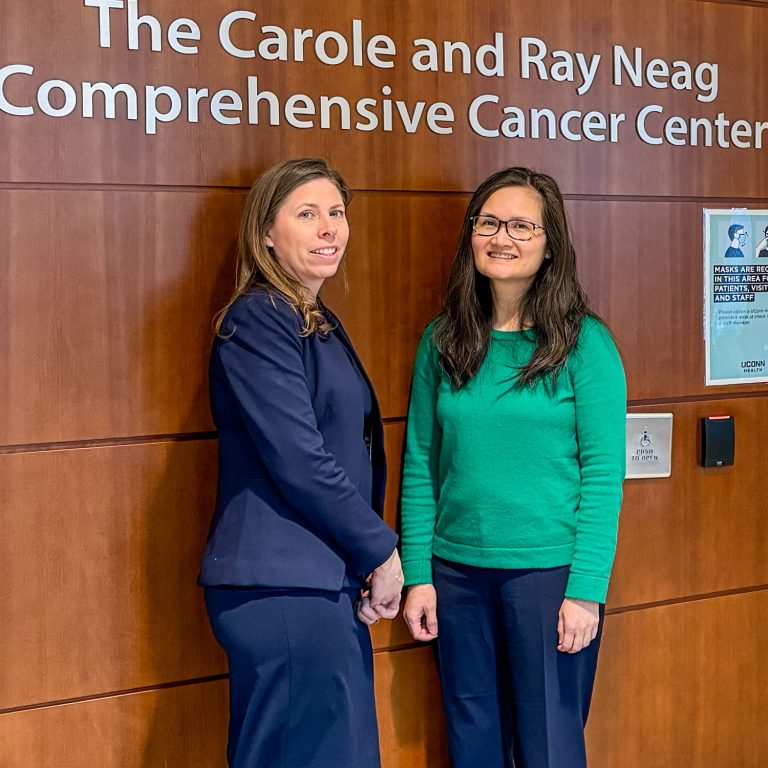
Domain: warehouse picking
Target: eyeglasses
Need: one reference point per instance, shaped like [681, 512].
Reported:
[517, 229]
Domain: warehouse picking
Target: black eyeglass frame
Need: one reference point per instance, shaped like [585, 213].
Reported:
[506, 224]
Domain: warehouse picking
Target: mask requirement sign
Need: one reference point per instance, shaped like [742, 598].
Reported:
[736, 296]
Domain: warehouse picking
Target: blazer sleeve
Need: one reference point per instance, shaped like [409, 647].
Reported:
[263, 363]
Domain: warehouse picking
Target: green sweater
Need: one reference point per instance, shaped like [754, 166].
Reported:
[517, 478]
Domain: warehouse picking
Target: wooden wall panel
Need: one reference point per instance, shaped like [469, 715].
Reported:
[118, 151]
[179, 727]
[696, 686]
[398, 264]
[107, 310]
[100, 570]
[115, 250]
[185, 726]
[99, 556]
[392, 634]
[702, 530]
[641, 265]
[109, 298]
[394, 445]
[682, 685]
[411, 726]
[112, 337]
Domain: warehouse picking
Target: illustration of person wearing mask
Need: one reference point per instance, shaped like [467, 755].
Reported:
[762, 247]
[737, 234]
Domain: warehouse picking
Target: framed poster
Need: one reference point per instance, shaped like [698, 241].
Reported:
[735, 296]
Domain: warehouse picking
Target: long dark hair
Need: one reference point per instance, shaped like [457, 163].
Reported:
[553, 307]
[257, 266]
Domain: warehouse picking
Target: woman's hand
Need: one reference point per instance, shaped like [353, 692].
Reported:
[420, 612]
[386, 586]
[365, 613]
[577, 624]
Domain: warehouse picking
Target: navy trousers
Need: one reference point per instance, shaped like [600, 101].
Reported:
[301, 678]
[508, 693]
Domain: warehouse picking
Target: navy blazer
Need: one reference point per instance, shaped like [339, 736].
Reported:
[289, 513]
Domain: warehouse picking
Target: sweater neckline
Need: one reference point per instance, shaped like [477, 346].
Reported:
[496, 334]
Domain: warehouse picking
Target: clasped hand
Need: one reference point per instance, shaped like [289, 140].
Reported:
[381, 598]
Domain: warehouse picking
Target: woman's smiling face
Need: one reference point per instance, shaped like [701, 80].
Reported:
[310, 233]
[499, 257]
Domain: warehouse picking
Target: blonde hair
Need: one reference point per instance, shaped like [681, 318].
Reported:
[257, 266]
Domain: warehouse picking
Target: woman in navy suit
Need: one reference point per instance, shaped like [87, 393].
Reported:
[298, 559]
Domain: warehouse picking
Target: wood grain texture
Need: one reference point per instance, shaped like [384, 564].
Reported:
[641, 265]
[411, 725]
[109, 297]
[106, 300]
[118, 151]
[185, 726]
[389, 634]
[99, 557]
[106, 307]
[682, 685]
[394, 445]
[106, 297]
[701, 530]
[181, 727]
[692, 704]
[397, 268]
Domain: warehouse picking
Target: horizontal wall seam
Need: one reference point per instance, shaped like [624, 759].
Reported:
[237, 189]
[113, 694]
[388, 649]
[63, 186]
[740, 3]
[698, 399]
[400, 647]
[687, 599]
[108, 442]
[177, 437]
[160, 686]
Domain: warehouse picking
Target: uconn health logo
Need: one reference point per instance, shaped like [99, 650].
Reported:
[752, 366]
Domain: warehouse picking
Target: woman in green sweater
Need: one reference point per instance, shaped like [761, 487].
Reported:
[512, 483]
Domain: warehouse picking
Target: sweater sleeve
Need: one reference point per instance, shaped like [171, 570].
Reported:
[420, 488]
[601, 403]
[262, 361]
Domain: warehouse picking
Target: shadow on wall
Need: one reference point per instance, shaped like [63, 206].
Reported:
[413, 710]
